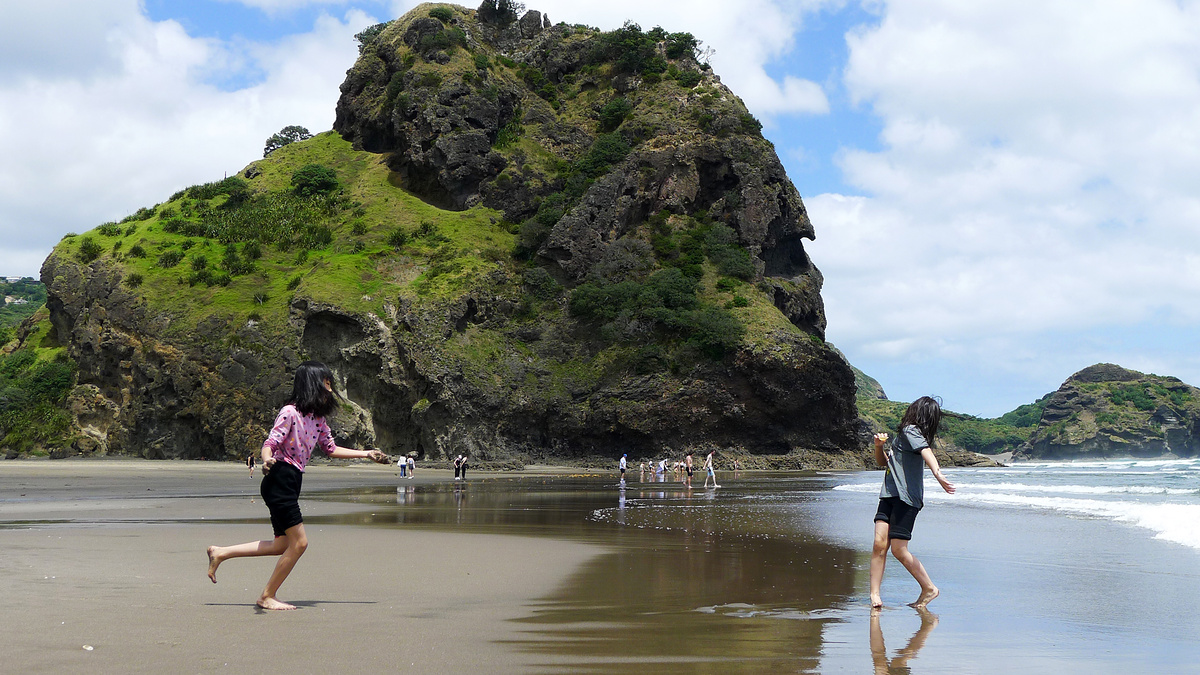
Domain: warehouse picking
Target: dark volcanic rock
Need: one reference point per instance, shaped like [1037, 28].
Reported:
[513, 124]
[1108, 411]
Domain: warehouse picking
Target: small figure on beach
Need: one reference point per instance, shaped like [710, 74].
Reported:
[708, 466]
[687, 463]
[412, 466]
[250, 463]
[463, 465]
[621, 465]
[402, 463]
[902, 495]
[457, 467]
[299, 428]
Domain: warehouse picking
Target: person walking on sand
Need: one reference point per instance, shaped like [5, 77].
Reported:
[708, 466]
[412, 466]
[403, 465]
[902, 494]
[687, 463]
[621, 464]
[457, 466]
[299, 428]
[463, 464]
[250, 463]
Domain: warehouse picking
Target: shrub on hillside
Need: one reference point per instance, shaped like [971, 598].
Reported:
[134, 280]
[500, 12]
[367, 36]
[170, 258]
[110, 229]
[442, 13]
[614, 112]
[314, 179]
[136, 251]
[89, 250]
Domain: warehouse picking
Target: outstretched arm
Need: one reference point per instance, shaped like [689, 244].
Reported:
[880, 458]
[376, 456]
[932, 463]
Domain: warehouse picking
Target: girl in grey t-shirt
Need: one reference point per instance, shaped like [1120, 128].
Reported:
[902, 495]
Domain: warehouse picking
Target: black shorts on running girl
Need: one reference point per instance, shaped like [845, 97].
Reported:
[280, 490]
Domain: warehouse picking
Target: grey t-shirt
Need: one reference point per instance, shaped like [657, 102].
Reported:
[905, 473]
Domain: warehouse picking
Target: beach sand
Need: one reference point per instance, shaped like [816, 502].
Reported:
[130, 582]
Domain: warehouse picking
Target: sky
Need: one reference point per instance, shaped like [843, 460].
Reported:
[1004, 191]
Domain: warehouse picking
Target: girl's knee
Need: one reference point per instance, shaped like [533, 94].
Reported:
[881, 545]
[899, 547]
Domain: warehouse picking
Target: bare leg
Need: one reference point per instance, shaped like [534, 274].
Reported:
[878, 650]
[296, 542]
[219, 554]
[915, 568]
[878, 561]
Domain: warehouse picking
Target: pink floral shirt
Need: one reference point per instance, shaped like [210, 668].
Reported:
[295, 435]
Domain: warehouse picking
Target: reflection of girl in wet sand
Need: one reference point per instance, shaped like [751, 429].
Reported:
[929, 621]
[902, 495]
[299, 429]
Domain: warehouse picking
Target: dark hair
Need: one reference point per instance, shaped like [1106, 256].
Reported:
[309, 394]
[925, 414]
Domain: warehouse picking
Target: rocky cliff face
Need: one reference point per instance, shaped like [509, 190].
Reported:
[608, 258]
[1107, 411]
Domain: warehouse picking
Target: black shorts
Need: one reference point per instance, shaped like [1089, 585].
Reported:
[689, 471]
[280, 490]
[899, 516]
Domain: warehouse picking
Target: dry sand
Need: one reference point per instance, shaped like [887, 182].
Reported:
[127, 578]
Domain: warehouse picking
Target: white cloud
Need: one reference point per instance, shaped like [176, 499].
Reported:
[83, 147]
[1037, 176]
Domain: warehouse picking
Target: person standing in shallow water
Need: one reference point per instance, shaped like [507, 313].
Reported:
[299, 428]
[902, 495]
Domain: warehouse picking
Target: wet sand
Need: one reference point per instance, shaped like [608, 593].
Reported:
[129, 581]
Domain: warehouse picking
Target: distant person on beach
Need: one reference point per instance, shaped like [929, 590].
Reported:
[299, 428]
[463, 466]
[624, 458]
[902, 495]
[250, 463]
[708, 466]
[457, 466]
[687, 463]
[412, 466]
[403, 464]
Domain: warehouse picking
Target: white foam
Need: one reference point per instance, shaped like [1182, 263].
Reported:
[1077, 489]
[1179, 523]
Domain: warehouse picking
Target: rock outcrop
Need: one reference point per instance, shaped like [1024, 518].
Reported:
[450, 339]
[1108, 411]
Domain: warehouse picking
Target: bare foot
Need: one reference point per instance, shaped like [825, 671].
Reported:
[212, 564]
[272, 603]
[876, 602]
[926, 598]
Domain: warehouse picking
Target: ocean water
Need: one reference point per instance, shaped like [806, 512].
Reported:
[1159, 497]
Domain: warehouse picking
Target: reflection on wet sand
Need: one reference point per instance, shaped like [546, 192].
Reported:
[899, 664]
[698, 580]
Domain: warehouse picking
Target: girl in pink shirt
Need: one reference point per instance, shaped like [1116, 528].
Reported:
[299, 428]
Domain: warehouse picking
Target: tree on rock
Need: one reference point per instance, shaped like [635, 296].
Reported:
[502, 12]
[286, 136]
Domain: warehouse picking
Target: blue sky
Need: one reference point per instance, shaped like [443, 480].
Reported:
[1003, 190]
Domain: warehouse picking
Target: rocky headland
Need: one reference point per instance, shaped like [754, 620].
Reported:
[525, 241]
